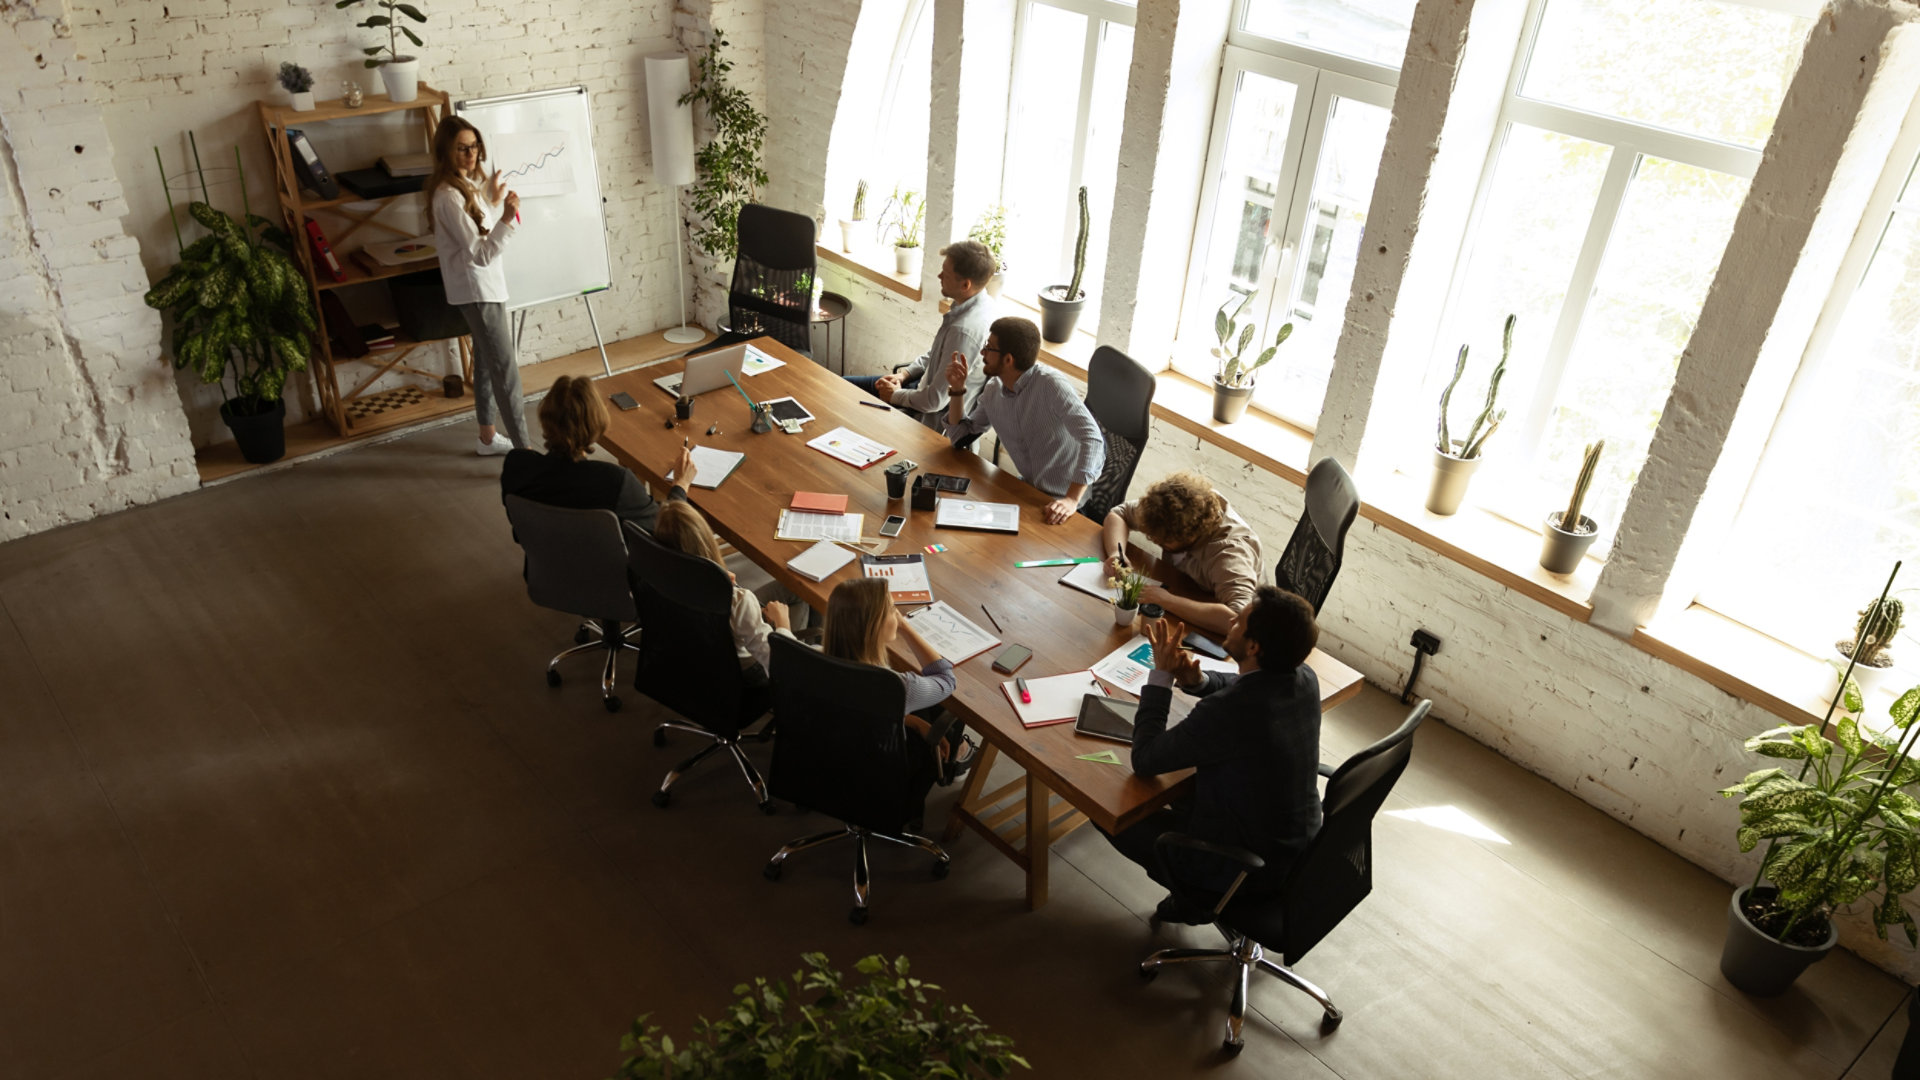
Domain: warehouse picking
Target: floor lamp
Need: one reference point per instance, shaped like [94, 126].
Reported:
[670, 124]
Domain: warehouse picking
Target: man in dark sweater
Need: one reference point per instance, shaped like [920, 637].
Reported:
[1253, 739]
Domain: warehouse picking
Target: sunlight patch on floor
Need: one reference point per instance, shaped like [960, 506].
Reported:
[1450, 818]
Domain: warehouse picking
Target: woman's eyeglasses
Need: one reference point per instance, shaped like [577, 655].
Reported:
[466, 148]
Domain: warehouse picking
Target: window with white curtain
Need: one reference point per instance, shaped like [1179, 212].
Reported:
[1628, 136]
[1305, 96]
[1069, 94]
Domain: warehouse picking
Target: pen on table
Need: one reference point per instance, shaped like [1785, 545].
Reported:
[876, 404]
[1021, 685]
[991, 619]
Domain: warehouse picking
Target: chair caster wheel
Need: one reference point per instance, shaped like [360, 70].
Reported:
[768, 808]
[1229, 1048]
[771, 871]
[1148, 974]
[659, 736]
[612, 703]
[858, 916]
[553, 677]
[1331, 1020]
[941, 870]
[662, 798]
[580, 636]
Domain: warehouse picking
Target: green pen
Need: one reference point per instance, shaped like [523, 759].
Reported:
[1059, 562]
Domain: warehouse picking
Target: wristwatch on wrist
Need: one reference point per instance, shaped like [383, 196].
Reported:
[955, 393]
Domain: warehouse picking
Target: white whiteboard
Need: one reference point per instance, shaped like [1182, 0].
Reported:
[543, 144]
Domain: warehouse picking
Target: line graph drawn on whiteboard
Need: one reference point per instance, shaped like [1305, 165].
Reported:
[534, 163]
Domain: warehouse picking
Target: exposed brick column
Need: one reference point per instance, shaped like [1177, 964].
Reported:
[1855, 84]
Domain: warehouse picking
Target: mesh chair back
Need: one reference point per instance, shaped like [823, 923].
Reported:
[773, 275]
[1335, 872]
[1120, 397]
[1312, 558]
[842, 748]
[576, 559]
[688, 661]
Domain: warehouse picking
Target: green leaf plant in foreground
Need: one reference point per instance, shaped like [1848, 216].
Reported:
[1846, 827]
[813, 1026]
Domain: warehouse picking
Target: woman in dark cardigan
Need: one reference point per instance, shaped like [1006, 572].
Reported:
[572, 419]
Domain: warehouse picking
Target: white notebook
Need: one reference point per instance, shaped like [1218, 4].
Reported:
[951, 634]
[821, 561]
[711, 466]
[968, 514]
[1091, 578]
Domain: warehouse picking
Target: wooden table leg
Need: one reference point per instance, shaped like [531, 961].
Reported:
[970, 792]
[1039, 837]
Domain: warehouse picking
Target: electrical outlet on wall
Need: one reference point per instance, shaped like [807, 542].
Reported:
[1425, 641]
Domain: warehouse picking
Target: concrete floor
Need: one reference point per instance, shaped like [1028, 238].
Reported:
[283, 793]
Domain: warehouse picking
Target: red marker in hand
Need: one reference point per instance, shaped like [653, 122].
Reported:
[1025, 697]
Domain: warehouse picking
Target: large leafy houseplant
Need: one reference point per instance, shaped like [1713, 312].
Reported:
[390, 22]
[1843, 827]
[729, 167]
[813, 1026]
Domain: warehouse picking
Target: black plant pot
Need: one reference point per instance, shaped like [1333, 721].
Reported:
[262, 434]
[1057, 317]
[1230, 402]
[1759, 964]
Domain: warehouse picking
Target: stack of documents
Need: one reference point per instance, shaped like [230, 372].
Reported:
[856, 450]
[800, 525]
[821, 561]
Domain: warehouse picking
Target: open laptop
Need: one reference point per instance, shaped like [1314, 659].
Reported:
[705, 372]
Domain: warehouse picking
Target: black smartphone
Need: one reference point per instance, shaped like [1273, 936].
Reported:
[1011, 658]
[1204, 646]
[625, 401]
[892, 526]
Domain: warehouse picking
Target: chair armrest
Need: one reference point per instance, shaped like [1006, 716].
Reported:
[1247, 860]
[1325, 769]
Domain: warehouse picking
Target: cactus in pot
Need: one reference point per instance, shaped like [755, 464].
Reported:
[1454, 460]
[1060, 304]
[1569, 534]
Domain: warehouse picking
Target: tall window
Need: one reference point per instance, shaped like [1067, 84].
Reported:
[1302, 117]
[880, 130]
[1630, 132]
[1836, 497]
[1063, 131]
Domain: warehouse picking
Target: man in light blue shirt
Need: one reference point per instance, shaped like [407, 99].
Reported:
[965, 268]
[1051, 437]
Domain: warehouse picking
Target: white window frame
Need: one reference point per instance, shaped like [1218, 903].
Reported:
[1319, 77]
[1095, 11]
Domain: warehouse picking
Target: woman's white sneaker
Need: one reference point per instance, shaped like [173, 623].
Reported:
[500, 445]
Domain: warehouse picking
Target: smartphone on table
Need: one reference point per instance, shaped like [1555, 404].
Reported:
[893, 525]
[1011, 658]
[625, 401]
[1204, 646]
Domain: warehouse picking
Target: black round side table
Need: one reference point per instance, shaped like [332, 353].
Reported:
[833, 308]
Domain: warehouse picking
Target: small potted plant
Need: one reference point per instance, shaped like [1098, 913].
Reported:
[1873, 637]
[859, 214]
[400, 72]
[904, 214]
[1455, 460]
[1840, 831]
[1233, 377]
[1564, 546]
[1060, 304]
[991, 233]
[815, 1025]
[298, 83]
[1127, 587]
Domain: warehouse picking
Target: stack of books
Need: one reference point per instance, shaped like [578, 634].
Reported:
[407, 164]
[378, 337]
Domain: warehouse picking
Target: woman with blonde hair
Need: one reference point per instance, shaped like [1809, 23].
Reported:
[572, 420]
[1198, 533]
[681, 528]
[473, 215]
[861, 622]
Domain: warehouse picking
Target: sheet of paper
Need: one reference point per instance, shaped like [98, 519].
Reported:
[968, 514]
[710, 466]
[854, 449]
[955, 636]
[800, 525]
[907, 580]
[1127, 666]
[1056, 698]
[1091, 578]
[759, 363]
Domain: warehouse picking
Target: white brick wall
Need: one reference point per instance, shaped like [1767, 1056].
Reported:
[89, 420]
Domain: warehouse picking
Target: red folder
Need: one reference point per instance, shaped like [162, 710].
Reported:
[323, 253]
[818, 503]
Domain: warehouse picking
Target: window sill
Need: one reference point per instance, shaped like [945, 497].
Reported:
[1786, 681]
[874, 264]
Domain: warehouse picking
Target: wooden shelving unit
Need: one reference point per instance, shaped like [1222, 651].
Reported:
[354, 411]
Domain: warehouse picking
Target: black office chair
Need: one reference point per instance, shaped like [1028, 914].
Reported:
[577, 563]
[773, 276]
[844, 750]
[690, 664]
[1120, 397]
[1312, 558]
[1326, 881]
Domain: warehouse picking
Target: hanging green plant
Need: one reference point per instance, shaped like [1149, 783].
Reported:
[730, 165]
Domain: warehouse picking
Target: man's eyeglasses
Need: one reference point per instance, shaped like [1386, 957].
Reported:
[985, 349]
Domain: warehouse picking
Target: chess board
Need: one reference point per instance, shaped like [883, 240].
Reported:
[371, 405]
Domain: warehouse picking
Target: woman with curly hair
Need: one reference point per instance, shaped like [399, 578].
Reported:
[1198, 533]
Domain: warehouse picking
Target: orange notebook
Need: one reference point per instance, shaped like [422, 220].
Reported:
[818, 503]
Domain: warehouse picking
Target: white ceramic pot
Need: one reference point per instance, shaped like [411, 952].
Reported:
[1450, 478]
[1123, 616]
[402, 78]
[303, 101]
[997, 282]
[906, 260]
[1869, 678]
[846, 234]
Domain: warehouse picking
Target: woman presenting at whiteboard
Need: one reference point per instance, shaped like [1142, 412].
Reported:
[471, 236]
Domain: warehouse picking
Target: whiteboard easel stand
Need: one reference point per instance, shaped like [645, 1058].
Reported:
[520, 323]
[682, 334]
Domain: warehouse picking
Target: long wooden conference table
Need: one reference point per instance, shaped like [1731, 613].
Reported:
[1066, 629]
